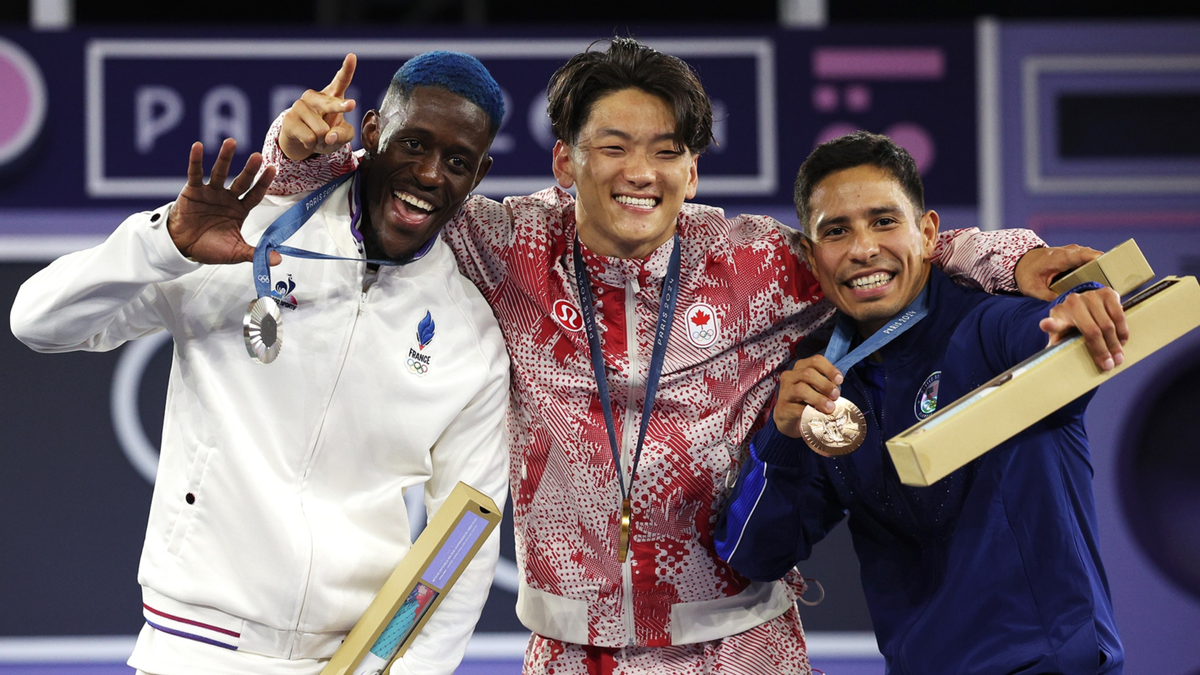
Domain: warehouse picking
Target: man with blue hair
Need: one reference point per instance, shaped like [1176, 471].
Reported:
[278, 510]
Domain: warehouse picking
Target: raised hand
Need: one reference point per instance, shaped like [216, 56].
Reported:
[316, 123]
[205, 222]
[1099, 318]
[1038, 268]
[811, 382]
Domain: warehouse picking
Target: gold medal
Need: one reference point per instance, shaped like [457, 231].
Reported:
[835, 434]
[262, 328]
[623, 540]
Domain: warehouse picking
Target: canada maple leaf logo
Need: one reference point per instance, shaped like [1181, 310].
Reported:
[701, 318]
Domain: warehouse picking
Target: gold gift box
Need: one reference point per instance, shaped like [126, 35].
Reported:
[1033, 389]
[1123, 269]
[422, 579]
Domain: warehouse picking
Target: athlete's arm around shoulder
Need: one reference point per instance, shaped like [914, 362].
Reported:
[1007, 261]
[1001, 261]
[123, 289]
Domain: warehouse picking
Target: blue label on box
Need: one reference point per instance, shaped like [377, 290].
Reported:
[454, 550]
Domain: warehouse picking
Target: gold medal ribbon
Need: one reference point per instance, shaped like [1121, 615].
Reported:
[662, 332]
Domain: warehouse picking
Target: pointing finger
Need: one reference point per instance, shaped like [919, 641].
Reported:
[343, 77]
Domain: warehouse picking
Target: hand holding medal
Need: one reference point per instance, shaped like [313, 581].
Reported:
[810, 404]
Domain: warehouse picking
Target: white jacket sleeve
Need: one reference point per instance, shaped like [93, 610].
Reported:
[474, 450]
[97, 299]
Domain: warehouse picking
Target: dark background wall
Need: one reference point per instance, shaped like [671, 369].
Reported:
[73, 506]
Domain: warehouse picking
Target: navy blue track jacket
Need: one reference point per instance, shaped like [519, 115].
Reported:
[995, 568]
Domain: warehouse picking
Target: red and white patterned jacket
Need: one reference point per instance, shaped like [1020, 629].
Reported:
[745, 299]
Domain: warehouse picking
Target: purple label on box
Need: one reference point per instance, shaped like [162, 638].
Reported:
[457, 546]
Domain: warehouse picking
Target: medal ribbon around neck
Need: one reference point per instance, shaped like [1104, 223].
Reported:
[839, 343]
[262, 326]
[662, 331]
[843, 430]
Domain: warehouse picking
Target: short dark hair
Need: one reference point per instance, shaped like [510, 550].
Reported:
[627, 64]
[857, 149]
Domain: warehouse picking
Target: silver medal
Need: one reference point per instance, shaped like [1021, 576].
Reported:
[263, 329]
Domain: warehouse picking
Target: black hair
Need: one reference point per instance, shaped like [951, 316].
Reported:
[627, 64]
[860, 148]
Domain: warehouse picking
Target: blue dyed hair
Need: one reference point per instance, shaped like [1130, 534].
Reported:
[455, 72]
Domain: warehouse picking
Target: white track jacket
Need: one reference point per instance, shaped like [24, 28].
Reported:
[278, 509]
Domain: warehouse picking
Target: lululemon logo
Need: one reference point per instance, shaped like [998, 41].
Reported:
[701, 323]
[23, 107]
[568, 316]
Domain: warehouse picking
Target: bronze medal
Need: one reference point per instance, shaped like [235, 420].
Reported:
[623, 540]
[836, 434]
[262, 328]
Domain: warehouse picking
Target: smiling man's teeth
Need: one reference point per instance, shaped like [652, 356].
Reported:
[644, 202]
[872, 281]
[409, 199]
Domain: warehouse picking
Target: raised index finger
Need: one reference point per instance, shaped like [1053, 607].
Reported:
[342, 80]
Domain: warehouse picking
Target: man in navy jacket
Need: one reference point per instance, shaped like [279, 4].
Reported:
[993, 569]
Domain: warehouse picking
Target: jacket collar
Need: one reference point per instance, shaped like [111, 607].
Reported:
[947, 303]
[342, 219]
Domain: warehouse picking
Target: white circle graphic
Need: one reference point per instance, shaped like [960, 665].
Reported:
[127, 379]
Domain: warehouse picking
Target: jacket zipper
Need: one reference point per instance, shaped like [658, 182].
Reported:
[628, 439]
[308, 461]
[901, 658]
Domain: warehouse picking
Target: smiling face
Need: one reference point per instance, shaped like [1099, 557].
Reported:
[867, 245]
[630, 177]
[434, 155]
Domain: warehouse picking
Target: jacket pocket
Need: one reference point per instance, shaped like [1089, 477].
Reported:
[192, 498]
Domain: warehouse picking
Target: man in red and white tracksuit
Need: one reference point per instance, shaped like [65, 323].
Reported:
[745, 298]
